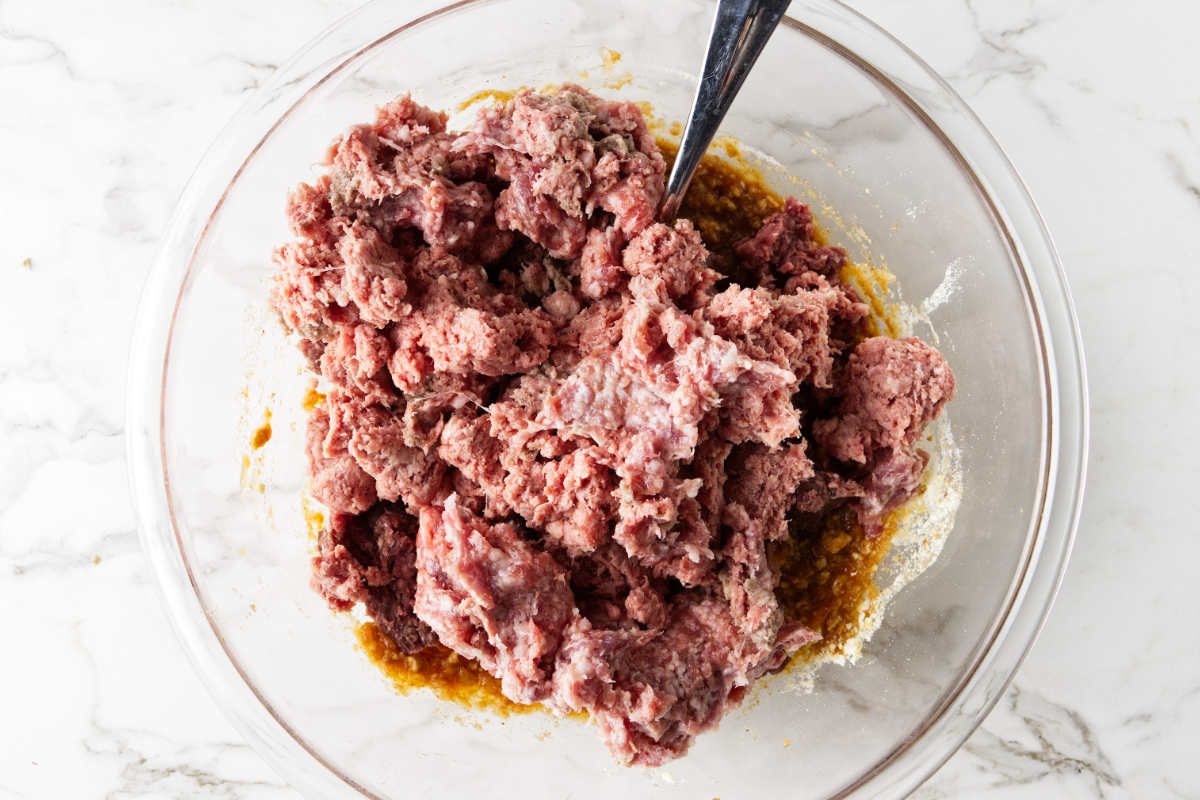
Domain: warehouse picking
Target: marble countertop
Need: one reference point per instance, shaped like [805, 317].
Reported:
[107, 107]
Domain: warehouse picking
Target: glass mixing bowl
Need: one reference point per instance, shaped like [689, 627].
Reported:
[861, 126]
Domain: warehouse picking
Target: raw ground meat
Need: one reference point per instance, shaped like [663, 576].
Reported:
[548, 441]
[652, 690]
[493, 597]
[371, 559]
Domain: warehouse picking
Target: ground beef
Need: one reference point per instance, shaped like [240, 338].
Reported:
[890, 389]
[787, 245]
[371, 559]
[566, 157]
[492, 596]
[651, 691]
[336, 479]
[548, 441]
[759, 490]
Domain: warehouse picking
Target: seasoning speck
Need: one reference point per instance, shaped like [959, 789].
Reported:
[263, 434]
[312, 399]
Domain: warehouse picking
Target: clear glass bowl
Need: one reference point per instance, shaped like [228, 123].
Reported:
[865, 128]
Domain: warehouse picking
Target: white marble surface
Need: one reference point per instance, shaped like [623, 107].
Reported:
[106, 107]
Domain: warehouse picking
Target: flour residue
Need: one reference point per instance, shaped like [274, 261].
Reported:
[951, 282]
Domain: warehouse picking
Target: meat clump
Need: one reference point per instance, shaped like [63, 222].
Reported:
[557, 436]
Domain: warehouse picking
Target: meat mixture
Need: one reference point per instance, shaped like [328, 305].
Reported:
[564, 440]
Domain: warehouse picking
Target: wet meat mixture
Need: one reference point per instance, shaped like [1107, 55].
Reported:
[567, 442]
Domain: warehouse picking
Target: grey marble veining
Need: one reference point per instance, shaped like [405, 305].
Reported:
[106, 109]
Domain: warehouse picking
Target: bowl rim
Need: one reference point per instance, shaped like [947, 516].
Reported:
[1065, 406]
